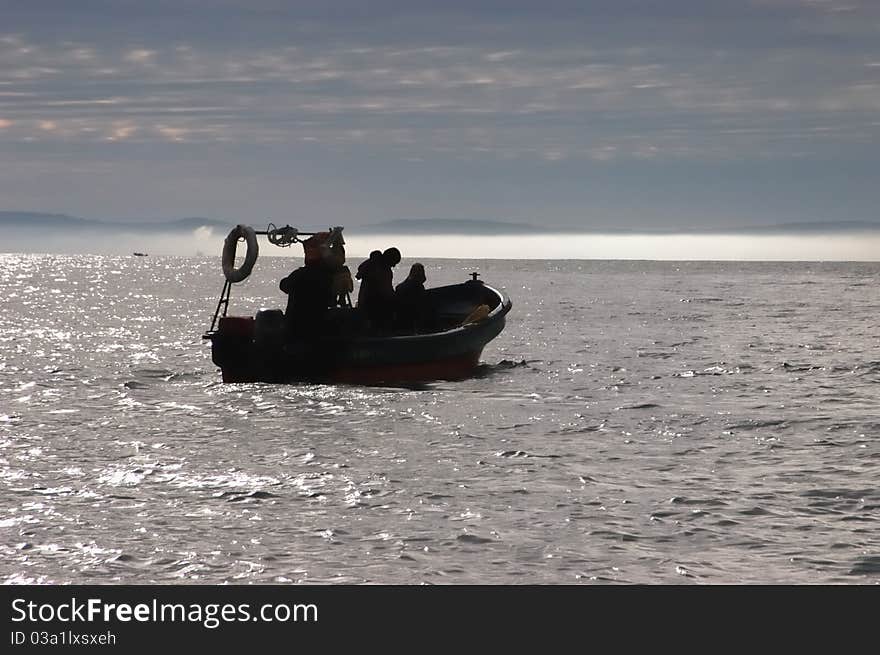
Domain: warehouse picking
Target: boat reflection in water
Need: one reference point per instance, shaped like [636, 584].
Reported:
[460, 319]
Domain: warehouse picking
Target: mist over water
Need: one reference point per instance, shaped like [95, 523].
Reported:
[115, 241]
[666, 247]
[207, 241]
[679, 422]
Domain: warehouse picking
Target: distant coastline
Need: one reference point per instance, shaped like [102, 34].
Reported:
[36, 221]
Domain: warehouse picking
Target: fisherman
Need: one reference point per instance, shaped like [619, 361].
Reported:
[409, 299]
[364, 274]
[308, 290]
[341, 286]
[376, 295]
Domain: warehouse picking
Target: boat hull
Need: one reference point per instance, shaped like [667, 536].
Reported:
[251, 354]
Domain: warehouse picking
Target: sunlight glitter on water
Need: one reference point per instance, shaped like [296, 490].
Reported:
[635, 422]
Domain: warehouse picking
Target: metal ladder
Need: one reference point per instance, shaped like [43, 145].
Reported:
[223, 302]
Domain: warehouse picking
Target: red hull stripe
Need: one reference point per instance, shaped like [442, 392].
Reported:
[453, 368]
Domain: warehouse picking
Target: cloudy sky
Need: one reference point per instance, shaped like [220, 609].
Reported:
[591, 113]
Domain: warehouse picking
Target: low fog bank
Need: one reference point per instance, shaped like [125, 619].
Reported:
[201, 241]
[675, 247]
[208, 242]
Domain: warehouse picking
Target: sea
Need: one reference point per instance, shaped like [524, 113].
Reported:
[635, 422]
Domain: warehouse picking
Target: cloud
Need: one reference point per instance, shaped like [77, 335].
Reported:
[595, 97]
[121, 130]
[139, 56]
[172, 133]
[546, 104]
[828, 6]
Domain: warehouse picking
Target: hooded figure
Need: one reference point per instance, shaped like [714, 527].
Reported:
[363, 274]
[409, 298]
[308, 297]
[376, 295]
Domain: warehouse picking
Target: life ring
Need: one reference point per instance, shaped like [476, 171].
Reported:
[253, 249]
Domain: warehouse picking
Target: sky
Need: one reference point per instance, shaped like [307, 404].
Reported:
[624, 114]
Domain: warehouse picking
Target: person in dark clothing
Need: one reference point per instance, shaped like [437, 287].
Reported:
[363, 274]
[384, 277]
[308, 291]
[376, 295]
[409, 299]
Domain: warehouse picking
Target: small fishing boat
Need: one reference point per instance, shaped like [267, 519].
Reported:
[460, 319]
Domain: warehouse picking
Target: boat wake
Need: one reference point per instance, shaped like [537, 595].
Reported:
[487, 370]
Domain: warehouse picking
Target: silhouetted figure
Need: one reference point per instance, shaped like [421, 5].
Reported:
[363, 274]
[308, 291]
[376, 295]
[341, 287]
[409, 299]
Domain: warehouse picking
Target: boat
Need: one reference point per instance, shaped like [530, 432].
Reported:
[139, 254]
[463, 319]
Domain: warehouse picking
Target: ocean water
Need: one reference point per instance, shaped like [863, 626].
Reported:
[636, 422]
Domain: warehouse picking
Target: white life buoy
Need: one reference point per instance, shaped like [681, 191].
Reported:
[253, 249]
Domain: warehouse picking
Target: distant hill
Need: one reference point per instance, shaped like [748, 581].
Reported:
[780, 229]
[193, 223]
[824, 227]
[35, 221]
[498, 228]
[404, 226]
[446, 226]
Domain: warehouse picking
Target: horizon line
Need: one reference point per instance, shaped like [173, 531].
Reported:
[420, 227]
[478, 259]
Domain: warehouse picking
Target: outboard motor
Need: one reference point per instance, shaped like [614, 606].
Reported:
[269, 327]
